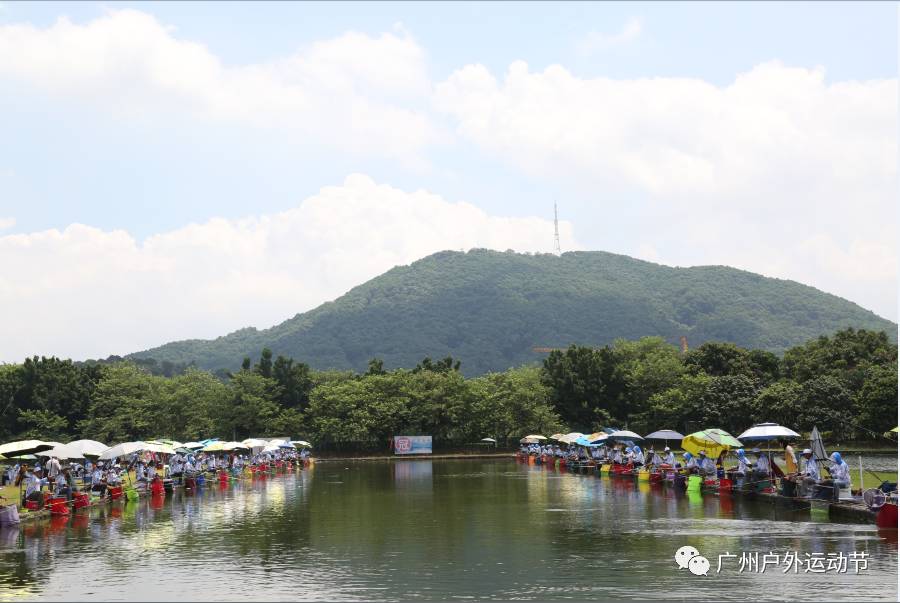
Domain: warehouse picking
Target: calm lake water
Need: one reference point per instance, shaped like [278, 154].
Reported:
[436, 530]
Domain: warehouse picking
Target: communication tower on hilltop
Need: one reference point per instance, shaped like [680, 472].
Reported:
[556, 248]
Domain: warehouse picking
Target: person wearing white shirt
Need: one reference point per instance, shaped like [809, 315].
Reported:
[810, 473]
[34, 482]
[98, 481]
[53, 467]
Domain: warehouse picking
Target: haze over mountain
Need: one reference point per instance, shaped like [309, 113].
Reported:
[489, 309]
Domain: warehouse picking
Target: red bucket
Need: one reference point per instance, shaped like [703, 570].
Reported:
[31, 505]
[725, 485]
[82, 499]
[58, 505]
[115, 492]
[157, 488]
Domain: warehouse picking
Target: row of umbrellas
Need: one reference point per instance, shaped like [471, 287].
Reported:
[712, 441]
[90, 448]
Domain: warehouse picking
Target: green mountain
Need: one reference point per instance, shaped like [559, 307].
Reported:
[490, 309]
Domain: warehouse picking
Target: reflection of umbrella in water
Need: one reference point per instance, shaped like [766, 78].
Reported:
[712, 441]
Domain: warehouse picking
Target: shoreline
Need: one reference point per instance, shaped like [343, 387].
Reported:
[417, 457]
[512, 453]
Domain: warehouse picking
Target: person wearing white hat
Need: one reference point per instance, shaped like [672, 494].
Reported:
[668, 457]
[98, 481]
[810, 473]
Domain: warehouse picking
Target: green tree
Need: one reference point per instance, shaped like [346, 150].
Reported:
[587, 386]
[376, 367]
[127, 404]
[252, 406]
[295, 382]
[43, 425]
[875, 403]
[264, 367]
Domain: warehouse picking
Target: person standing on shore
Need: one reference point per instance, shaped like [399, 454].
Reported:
[53, 468]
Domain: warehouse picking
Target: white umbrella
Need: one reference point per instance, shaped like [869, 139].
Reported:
[23, 447]
[159, 448]
[301, 444]
[225, 447]
[123, 449]
[271, 448]
[78, 449]
[255, 443]
[664, 434]
[767, 431]
[624, 434]
[492, 440]
[193, 445]
[535, 437]
[570, 437]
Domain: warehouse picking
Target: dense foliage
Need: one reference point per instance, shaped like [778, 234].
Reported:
[845, 384]
[491, 309]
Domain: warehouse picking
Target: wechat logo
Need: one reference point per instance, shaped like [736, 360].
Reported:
[689, 558]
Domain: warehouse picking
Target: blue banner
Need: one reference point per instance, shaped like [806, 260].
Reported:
[412, 444]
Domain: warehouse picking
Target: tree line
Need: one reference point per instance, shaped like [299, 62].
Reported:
[845, 384]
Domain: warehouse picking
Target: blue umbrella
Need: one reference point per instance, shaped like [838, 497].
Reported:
[583, 441]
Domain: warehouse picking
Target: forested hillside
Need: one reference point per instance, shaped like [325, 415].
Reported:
[491, 308]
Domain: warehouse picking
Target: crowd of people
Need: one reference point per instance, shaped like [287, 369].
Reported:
[803, 475]
[51, 477]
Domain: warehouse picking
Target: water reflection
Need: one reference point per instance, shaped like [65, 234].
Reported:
[429, 529]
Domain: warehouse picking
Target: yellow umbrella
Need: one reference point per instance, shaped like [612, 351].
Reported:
[713, 441]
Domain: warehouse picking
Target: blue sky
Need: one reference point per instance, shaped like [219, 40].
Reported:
[688, 133]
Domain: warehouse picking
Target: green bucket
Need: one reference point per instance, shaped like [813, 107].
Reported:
[131, 494]
[694, 482]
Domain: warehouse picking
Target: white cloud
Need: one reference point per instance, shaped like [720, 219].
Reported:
[595, 41]
[354, 91]
[85, 292]
[780, 171]
[7, 223]
[778, 164]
